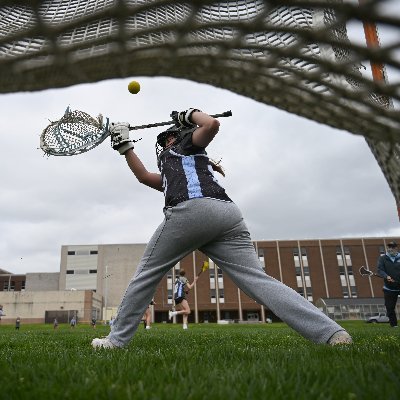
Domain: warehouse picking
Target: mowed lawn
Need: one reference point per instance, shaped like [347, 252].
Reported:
[208, 361]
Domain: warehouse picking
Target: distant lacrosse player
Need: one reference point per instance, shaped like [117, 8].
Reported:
[389, 270]
[181, 289]
[147, 316]
[200, 215]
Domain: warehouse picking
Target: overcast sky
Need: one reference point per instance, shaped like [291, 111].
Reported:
[291, 177]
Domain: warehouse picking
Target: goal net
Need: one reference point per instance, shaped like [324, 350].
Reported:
[292, 54]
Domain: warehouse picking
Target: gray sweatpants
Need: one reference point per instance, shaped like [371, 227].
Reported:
[217, 229]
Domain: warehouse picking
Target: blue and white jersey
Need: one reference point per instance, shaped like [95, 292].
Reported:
[179, 290]
[187, 174]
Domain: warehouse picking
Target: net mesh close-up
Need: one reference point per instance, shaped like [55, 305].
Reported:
[291, 54]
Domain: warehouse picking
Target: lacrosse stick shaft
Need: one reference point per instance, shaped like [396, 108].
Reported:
[134, 128]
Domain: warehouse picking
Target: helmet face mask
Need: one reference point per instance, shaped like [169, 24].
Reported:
[162, 138]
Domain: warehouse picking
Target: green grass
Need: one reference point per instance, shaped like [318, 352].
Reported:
[206, 362]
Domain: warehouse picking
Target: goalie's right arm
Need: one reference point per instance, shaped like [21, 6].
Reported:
[121, 142]
[150, 179]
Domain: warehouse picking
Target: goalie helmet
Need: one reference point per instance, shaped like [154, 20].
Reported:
[178, 133]
[162, 137]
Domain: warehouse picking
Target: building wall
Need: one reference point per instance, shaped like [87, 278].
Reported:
[105, 269]
[42, 281]
[11, 282]
[31, 306]
[326, 268]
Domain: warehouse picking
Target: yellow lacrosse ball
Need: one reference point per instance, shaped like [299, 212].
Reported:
[134, 87]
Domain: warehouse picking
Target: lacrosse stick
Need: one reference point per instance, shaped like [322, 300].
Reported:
[366, 272]
[77, 132]
[204, 267]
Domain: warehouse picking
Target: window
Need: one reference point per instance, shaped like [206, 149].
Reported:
[82, 252]
[304, 258]
[92, 252]
[212, 283]
[296, 257]
[12, 286]
[5, 286]
[213, 295]
[22, 285]
[303, 278]
[92, 271]
[71, 253]
[347, 256]
[169, 282]
[350, 269]
[346, 272]
[70, 271]
[261, 255]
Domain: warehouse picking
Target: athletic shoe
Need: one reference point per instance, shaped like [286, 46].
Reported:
[103, 343]
[339, 338]
[148, 327]
[170, 314]
[185, 326]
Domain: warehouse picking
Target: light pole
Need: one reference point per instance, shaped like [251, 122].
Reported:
[106, 276]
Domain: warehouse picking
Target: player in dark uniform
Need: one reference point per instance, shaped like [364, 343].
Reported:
[389, 270]
[200, 215]
[182, 287]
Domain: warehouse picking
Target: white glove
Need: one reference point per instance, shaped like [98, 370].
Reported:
[183, 119]
[120, 137]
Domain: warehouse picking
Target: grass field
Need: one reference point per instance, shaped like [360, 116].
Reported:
[208, 361]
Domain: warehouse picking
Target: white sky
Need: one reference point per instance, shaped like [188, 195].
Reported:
[292, 178]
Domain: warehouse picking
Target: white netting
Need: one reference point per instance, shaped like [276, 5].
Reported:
[291, 54]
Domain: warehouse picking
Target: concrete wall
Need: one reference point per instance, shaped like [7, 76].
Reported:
[115, 265]
[31, 306]
[42, 281]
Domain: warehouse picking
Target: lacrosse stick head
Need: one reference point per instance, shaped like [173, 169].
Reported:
[205, 266]
[365, 272]
[75, 133]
